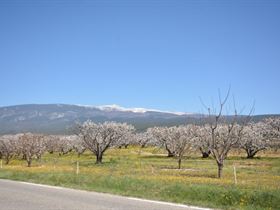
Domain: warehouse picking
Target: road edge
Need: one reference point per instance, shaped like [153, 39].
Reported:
[114, 195]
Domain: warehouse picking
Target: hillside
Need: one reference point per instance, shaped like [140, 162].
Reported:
[60, 118]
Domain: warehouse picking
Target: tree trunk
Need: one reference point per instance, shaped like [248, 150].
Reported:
[99, 158]
[250, 153]
[205, 154]
[7, 161]
[39, 157]
[23, 157]
[179, 163]
[29, 162]
[170, 154]
[220, 170]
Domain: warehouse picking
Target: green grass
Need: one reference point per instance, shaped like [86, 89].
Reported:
[148, 173]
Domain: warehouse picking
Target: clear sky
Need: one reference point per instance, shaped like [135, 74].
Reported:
[161, 54]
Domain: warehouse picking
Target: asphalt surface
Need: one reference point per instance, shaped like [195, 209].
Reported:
[26, 196]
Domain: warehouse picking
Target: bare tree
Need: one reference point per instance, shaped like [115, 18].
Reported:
[31, 146]
[225, 133]
[99, 137]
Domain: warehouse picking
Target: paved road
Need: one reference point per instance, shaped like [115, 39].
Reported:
[25, 196]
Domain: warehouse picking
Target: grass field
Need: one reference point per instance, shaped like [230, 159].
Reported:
[148, 173]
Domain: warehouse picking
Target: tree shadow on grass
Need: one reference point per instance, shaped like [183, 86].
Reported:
[190, 172]
[204, 175]
[156, 157]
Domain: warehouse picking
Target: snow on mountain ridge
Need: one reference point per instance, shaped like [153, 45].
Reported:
[115, 107]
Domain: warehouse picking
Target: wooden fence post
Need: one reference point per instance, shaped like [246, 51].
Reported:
[234, 172]
[77, 168]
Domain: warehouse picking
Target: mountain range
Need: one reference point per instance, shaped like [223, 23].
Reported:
[61, 118]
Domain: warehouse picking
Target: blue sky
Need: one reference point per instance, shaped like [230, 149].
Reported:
[153, 54]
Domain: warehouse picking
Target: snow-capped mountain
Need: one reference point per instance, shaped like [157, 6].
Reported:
[58, 118]
[115, 107]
